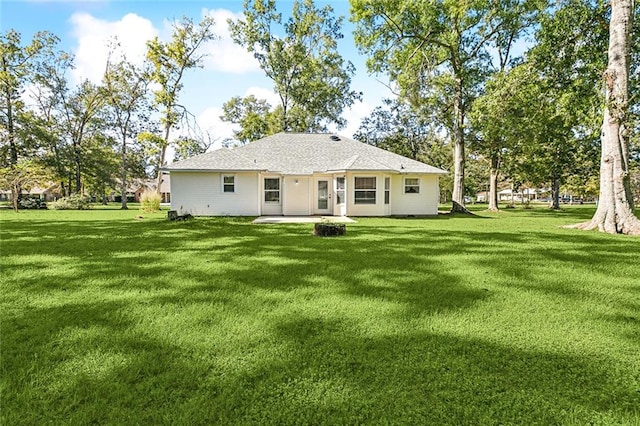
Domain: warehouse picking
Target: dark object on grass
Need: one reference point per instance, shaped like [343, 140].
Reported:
[173, 215]
[329, 229]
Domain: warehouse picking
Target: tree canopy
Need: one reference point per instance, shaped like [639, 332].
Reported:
[300, 56]
[170, 60]
[438, 52]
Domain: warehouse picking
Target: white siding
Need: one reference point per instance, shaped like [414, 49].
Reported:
[376, 209]
[297, 196]
[201, 194]
[401, 204]
[423, 203]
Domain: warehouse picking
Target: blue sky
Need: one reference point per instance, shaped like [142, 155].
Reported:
[85, 26]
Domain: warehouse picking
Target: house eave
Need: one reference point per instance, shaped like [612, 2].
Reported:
[306, 173]
[213, 170]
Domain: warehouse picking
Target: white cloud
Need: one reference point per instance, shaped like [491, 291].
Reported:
[262, 93]
[223, 54]
[94, 36]
[354, 117]
[210, 122]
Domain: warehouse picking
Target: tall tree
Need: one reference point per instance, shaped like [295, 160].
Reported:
[49, 94]
[17, 65]
[569, 57]
[615, 208]
[397, 127]
[526, 130]
[493, 141]
[499, 119]
[170, 60]
[80, 110]
[435, 50]
[300, 55]
[190, 146]
[252, 115]
[68, 117]
[126, 89]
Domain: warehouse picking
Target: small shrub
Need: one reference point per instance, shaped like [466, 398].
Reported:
[32, 203]
[150, 201]
[73, 202]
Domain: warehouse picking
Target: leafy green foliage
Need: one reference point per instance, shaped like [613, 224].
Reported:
[505, 319]
[301, 57]
[22, 175]
[169, 61]
[126, 89]
[562, 100]
[254, 116]
[438, 54]
[30, 203]
[77, 119]
[72, 202]
[18, 65]
[186, 147]
[397, 127]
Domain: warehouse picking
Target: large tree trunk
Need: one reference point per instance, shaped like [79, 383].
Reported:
[10, 127]
[77, 155]
[493, 184]
[555, 194]
[15, 197]
[458, 151]
[123, 174]
[163, 153]
[16, 191]
[615, 208]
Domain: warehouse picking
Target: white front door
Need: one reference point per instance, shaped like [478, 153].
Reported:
[322, 202]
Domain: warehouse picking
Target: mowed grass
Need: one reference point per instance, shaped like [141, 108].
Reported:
[501, 319]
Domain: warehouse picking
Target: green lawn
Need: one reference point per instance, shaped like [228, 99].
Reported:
[502, 319]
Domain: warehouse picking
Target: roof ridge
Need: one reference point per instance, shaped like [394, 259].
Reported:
[351, 161]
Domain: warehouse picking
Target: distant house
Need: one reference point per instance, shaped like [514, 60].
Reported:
[296, 174]
[50, 192]
[527, 194]
[165, 188]
[136, 187]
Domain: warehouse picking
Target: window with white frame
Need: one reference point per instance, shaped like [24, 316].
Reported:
[364, 190]
[228, 183]
[387, 189]
[272, 190]
[340, 186]
[411, 185]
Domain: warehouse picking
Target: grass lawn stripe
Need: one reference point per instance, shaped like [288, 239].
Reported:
[500, 319]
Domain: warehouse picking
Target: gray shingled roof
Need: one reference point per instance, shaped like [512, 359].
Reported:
[303, 153]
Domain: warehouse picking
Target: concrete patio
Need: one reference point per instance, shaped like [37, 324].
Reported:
[303, 219]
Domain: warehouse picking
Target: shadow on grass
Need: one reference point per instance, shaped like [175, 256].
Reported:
[397, 261]
[88, 363]
[85, 363]
[430, 379]
[221, 321]
[576, 212]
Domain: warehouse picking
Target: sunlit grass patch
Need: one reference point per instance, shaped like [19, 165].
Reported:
[503, 318]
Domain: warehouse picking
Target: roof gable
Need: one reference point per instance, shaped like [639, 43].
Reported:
[303, 153]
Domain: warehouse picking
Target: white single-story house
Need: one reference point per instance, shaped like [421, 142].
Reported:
[301, 174]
